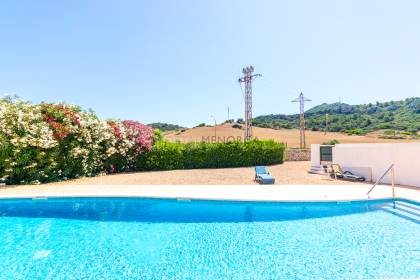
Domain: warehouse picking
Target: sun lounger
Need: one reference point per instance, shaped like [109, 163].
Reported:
[337, 172]
[262, 176]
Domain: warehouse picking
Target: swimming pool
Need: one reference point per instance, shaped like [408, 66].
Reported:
[124, 238]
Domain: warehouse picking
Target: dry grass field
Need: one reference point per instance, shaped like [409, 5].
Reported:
[289, 136]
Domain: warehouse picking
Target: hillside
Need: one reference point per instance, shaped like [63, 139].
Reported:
[226, 132]
[165, 126]
[401, 115]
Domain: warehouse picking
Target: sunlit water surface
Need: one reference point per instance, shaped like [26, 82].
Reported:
[106, 238]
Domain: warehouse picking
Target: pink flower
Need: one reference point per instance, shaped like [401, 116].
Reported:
[140, 133]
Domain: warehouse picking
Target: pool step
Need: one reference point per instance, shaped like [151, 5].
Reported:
[404, 210]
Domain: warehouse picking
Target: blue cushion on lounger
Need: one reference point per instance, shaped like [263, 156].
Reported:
[261, 170]
[262, 176]
[266, 179]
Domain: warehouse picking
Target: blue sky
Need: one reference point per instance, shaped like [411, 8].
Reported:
[179, 61]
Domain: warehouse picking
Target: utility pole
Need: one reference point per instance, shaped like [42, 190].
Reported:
[339, 105]
[247, 80]
[301, 99]
[228, 113]
[214, 126]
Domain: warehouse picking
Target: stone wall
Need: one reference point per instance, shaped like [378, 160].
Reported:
[297, 154]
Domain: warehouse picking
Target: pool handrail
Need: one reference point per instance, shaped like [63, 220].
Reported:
[383, 175]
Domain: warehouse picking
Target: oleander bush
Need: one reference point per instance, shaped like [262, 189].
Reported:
[50, 142]
[167, 156]
[131, 139]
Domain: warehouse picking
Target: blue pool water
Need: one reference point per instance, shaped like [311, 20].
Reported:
[128, 238]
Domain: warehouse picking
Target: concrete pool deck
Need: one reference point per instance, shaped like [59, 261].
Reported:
[217, 192]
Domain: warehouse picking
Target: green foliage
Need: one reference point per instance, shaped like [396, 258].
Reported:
[331, 142]
[50, 142]
[390, 132]
[5, 151]
[396, 134]
[356, 131]
[413, 130]
[165, 126]
[401, 115]
[157, 136]
[236, 125]
[168, 156]
[201, 125]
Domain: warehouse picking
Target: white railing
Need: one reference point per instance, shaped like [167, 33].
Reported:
[391, 168]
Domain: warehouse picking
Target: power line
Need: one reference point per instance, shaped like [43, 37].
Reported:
[247, 80]
[301, 99]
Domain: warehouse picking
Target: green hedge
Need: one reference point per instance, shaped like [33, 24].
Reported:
[167, 156]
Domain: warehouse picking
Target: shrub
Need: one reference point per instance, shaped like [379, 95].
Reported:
[50, 142]
[131, 139]
[167, 156]
[357, 131]
[413, 130]
[238, 126]
[84, 142]
[390, 132]
[27, 143]
[331, 142]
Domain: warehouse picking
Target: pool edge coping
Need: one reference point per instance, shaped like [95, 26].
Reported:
[70, 196]
[250, 193]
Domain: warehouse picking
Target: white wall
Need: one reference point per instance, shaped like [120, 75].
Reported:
[315, 154]
[378, 157]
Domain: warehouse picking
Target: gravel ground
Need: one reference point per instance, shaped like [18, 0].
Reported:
[289, 173]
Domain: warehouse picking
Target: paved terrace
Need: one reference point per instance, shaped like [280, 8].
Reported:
[289, 173]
